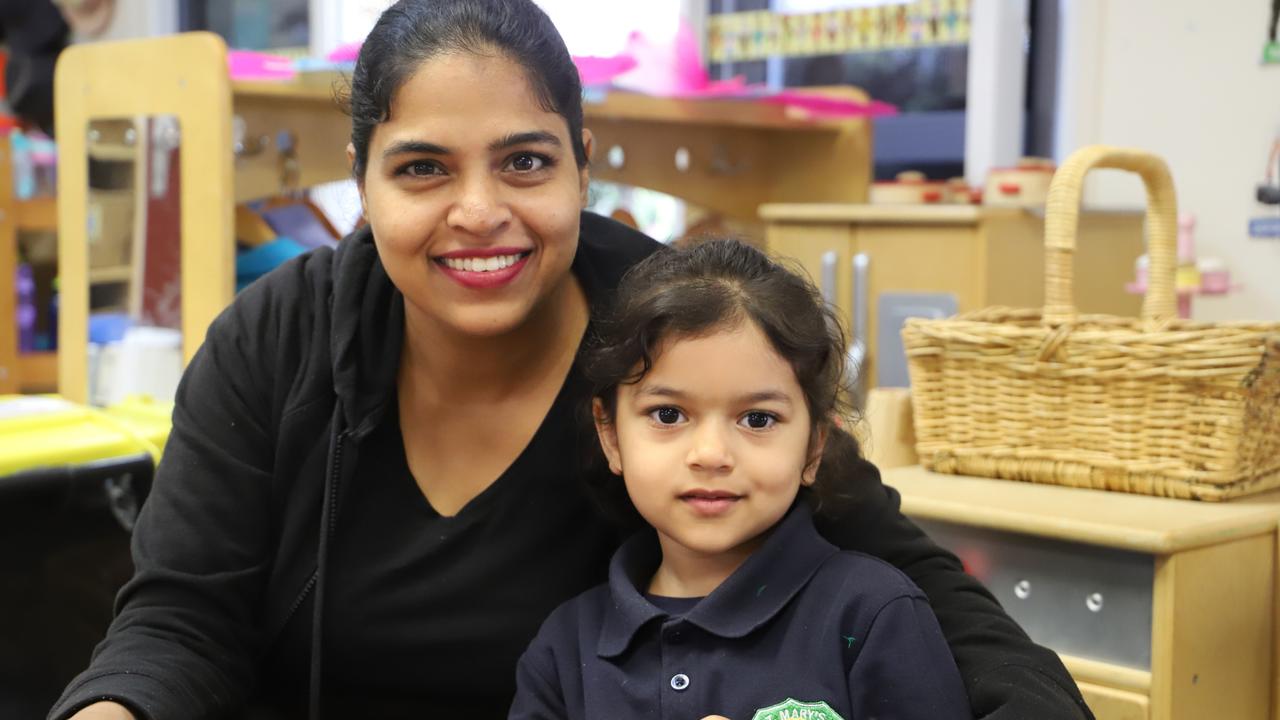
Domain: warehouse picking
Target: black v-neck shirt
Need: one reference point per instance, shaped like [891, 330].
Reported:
[444, 606]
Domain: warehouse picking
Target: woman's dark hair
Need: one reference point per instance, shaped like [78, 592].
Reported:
[714, 285]
[414, 31]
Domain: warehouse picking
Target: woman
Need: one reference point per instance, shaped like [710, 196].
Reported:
[371, 498]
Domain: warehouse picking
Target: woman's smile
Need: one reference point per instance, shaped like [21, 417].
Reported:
[482, 269]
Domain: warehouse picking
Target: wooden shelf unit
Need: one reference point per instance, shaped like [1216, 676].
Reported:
[19, 372]
[113, 274]
[741, 154]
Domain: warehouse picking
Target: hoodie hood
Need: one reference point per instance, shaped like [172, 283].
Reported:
[367, 331]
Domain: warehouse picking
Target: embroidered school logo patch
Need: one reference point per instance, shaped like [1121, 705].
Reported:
[790, 709]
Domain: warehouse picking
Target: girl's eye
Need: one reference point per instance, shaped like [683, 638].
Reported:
[528, 162]
[666, 416]
[759, 420]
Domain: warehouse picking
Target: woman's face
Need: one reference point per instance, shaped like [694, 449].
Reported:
[473, 195]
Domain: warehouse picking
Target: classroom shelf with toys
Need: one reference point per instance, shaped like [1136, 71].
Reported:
[727, 156]
[21, 369]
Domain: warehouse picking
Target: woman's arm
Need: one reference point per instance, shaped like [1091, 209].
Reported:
[183, 642]
[1007, 676]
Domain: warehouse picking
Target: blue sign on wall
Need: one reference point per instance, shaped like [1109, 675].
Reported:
[1264, 227]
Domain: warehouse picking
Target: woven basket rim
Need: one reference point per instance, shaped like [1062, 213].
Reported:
[999, 314]
[1027, 322]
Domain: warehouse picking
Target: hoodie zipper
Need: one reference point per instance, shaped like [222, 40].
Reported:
[302, 597]
[334, 468]
[329, 520]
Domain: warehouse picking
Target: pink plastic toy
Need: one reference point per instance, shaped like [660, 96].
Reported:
[675, 70]
[345, 53]
[602, 70]
[250, 65]
[1206, 276]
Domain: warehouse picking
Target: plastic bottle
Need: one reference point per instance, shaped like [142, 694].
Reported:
[44, 163]
[1188, 275]
[24, 171]
[26, 282]
[53, 316]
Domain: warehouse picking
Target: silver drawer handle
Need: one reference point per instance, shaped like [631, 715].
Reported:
[827, 283]
[856, 358]
[861, 298]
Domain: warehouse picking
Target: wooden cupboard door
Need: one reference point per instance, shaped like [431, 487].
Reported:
[1108, 246]
[823, 251]
[917, 258]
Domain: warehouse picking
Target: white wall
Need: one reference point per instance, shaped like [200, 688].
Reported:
[141, 18]
[996, 90]
[1181, 78]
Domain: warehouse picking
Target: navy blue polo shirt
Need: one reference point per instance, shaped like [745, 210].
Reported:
[801, 630]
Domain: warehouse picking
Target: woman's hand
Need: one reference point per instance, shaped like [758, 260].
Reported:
[105, 710]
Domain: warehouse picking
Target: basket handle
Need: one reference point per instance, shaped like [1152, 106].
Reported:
[1062, 216]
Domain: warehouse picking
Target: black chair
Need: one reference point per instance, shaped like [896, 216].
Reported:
[64, 553]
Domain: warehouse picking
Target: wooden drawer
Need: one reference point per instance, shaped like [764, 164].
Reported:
[1110, 704]
[1162, 609]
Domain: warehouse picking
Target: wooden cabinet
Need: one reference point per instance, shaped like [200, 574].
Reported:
[1161, 609]
[981, 256]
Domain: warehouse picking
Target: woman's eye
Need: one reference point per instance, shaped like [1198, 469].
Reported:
[421, 168]
[666, 416]
[757, 420]
[527, 162]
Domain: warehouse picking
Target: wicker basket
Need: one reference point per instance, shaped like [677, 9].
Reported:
[1156, 405]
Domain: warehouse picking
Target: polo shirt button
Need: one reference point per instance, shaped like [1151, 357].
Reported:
[679, 681]
[674, 635]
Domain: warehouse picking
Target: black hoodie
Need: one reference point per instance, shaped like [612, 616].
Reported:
[267, 427]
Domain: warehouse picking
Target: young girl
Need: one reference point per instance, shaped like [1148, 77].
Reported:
[716, 381]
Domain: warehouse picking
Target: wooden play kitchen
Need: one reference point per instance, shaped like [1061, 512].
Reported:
[1162, 609]
[860, 255]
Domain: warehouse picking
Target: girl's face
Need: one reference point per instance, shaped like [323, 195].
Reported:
[473, 195]
[714, 442]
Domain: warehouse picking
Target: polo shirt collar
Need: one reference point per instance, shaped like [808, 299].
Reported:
[749, 598]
